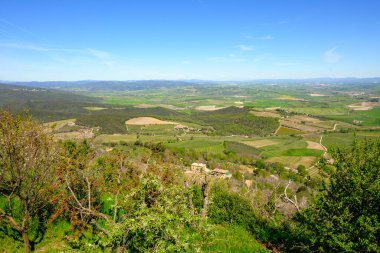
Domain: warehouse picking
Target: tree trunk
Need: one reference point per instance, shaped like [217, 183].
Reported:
[26, 241]
[205, 198]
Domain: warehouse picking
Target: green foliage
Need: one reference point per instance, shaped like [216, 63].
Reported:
[260, 164]
[233, 120]
[27, 166]
[158, 217]
[237, 175]
[231, 208]
[301, 169]
[232, 239]
[345, 217]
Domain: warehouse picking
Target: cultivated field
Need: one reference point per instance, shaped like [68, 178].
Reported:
[293, 161]
[208, 108]
[148, 121]
[260, 143]
[211, 121]
[314, 145]
[317, 95]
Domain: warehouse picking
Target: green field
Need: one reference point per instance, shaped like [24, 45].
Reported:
[219, 132]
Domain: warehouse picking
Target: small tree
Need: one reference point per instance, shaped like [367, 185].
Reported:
[27, 160]
[302, 170]
[345, 217]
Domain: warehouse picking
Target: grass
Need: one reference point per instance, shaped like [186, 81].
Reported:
[105, 138]
[124, 100]
[233, 239]
[288, 131]
[344, 140]
[242, 149]
[94, 108]
[368, 134]
[203, 145]
[53, 240]
[285, 143]
[303, 152]
[369, 117]
[293, 161]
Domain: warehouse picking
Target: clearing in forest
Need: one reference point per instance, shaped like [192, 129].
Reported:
[55, 125]
[260, 143]
[266, 114]
[148, 121]
[208, 108]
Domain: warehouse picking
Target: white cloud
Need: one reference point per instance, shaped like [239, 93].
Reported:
[286, 64]
[245, 47]
[103, 56]
[25, 47]
[266, 37]
[226, 59]
[332, 56]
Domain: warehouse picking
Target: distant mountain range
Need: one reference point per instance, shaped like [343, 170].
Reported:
[99, 85]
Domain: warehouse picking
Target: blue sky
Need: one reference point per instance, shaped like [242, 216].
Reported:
[188, 39]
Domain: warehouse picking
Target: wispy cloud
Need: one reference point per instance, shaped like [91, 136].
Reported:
[286, 64]
[103, 56]
[25, 47]
[266, 37]
[100, 55]
[332, 56]
[226, 59]
[245, 47]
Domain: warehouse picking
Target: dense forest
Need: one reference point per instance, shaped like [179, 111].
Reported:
[62, 195]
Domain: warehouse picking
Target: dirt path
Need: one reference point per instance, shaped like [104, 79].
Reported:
[325, 149]
[278, 128]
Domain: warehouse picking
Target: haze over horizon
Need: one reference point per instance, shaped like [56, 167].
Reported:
[192, 39]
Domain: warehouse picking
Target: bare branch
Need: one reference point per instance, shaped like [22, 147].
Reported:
[10, 220]
[294, 202]
[89, 192]
[84, 209]
[72, 193]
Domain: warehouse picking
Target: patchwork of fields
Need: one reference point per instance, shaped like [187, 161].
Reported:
[279, 124]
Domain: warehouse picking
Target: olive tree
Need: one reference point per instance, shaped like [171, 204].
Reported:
[27, 162]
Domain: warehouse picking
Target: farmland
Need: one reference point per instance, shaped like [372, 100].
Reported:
[280, 123]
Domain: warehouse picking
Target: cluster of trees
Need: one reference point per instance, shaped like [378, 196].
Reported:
[136, 204]
[237, 121]
[138, 200]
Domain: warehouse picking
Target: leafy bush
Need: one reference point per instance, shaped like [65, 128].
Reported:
[345, 217]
